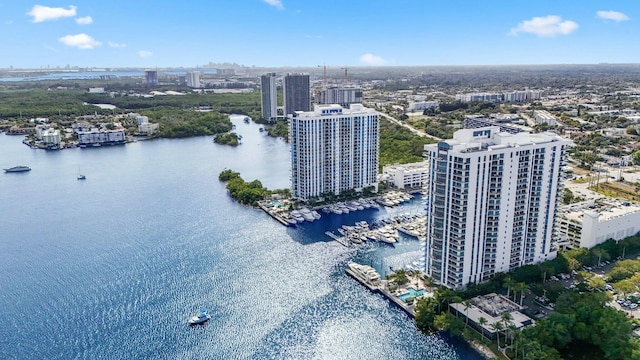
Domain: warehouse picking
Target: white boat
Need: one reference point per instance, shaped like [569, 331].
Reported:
[306, 214]
[316, 214]
[367, 273]
[20, 168]
[336, 210]
[201, 318]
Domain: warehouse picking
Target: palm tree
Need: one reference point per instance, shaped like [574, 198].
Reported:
[497, 327]
[512, 331]
[482, 321]
[522, 288]
[467, 305]
[509, 283]
[506, 318]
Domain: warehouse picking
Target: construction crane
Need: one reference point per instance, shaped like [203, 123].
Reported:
[324, 77]
[346, 78]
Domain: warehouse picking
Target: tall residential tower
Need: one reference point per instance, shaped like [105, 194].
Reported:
[333, 149]
[269, 94]
[344, 96]
[297, 93]
[491, 203]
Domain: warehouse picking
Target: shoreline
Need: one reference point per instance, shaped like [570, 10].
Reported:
[481, 349]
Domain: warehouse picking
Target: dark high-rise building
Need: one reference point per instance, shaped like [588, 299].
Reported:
[297, 93]
[269, 94]
[151, 76]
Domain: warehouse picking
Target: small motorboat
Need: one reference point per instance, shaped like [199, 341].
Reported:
[201, 318]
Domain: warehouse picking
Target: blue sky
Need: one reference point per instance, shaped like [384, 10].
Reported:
[145, 33]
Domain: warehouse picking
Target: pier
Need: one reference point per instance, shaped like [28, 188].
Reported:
[274, 215]
[339, 239]
[381, 289]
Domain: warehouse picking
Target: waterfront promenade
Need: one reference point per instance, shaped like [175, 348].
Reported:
[416, 283]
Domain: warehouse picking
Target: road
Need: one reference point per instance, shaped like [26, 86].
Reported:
[412, 129]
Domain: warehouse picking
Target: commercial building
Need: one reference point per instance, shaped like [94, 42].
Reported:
[422, 105]
[343, 96]
[333, 149]
[510, 123]
[491, 203]
[512, 96]
[151, 77]
[520, 96]
[544, 117]
[193, 79]
[491, 307]
[296, 93]
[592, 222]
[269, 96]
[99, 137]
[406, 176]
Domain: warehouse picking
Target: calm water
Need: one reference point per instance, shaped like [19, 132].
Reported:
[113, 266]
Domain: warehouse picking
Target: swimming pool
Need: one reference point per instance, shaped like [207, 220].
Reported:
[412, 293]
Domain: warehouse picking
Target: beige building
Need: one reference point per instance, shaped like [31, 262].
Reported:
[589, 223]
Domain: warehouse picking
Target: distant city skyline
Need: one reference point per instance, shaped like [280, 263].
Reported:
[277, 33]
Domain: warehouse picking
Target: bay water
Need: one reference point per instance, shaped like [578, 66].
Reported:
[113, 266]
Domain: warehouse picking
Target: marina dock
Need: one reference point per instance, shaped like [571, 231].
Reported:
[341, 240]
[274, 215]
[380, 289]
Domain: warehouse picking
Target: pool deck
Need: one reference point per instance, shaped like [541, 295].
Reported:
[409, 310]
[482, 350]
[274, 215]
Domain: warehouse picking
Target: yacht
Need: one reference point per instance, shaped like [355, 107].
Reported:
[20, 168]
[367, 273]
[201, 318]
[306, 214]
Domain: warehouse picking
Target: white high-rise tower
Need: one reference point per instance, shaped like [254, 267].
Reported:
[333, 149]
[491, 203]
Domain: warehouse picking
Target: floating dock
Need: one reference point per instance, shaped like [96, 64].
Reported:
[340, 239]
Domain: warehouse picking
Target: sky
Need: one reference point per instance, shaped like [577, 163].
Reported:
[276, 33]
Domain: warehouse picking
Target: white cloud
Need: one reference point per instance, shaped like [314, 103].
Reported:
[84, 20]
[144, 53]
[81, 41]
[275, 3]
[612, 15]
[116, 45]
[44, 13]
[550, 25]
[370, 59]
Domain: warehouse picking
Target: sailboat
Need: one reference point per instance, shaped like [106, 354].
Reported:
[80, 176]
